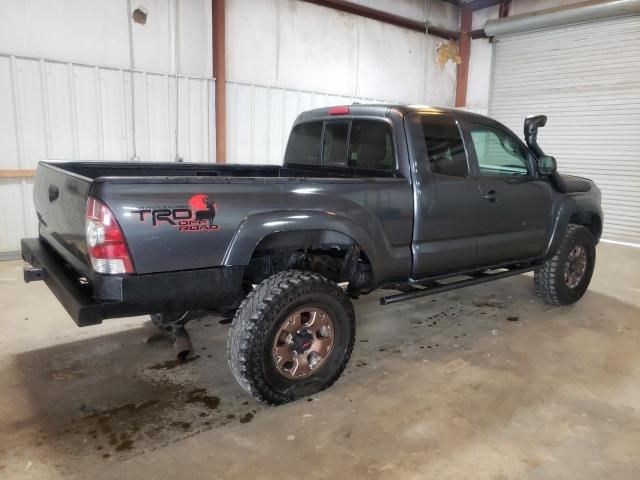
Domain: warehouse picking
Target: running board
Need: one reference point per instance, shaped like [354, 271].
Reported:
[438, 287]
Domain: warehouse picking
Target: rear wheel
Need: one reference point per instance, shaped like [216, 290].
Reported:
[292, 336]
[564, 278]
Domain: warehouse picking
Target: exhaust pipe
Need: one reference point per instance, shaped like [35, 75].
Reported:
[174, 327]
[181, 342]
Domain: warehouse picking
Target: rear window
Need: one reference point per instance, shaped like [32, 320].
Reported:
[371, 145]
[334, 145]
[360, 144]
[304, 144]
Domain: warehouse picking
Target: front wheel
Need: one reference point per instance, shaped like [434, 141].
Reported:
[292, 336]
[565, 277]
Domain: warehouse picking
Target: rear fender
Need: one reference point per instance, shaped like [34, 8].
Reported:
[304, 226]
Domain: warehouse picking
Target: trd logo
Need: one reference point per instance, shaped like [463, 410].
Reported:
[196, 217]
[204, 208]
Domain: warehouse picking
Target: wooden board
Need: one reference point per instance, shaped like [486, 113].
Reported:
[17, 173]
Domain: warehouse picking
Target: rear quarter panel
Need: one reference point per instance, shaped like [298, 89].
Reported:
[375, 211]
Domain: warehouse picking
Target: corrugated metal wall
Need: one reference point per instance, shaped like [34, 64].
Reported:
[590, 89]
[310, 47]
[61, 110]
[58, 104]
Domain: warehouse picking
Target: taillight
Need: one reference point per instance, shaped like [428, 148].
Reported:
[107, 249]
[338, 110]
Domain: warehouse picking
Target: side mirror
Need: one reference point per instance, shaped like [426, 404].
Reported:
[547, 165]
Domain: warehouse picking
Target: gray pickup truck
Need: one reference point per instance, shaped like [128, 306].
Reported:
[415, 199]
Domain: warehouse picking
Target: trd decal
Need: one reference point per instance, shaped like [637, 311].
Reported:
[196, 216]
[203, 208]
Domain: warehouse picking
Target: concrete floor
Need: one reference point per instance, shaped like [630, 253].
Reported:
[482, 383]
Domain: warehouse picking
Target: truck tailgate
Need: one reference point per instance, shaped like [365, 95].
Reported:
[60, 199]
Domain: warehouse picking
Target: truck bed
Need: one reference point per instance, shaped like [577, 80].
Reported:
[245, 198]
[95, 170]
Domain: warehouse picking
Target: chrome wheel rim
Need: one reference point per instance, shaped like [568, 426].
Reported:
[575, 266]
[303, 343]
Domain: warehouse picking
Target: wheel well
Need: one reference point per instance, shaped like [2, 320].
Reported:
[331, 254]
[590, 220]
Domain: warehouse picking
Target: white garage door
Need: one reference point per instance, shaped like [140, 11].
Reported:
[586, 78]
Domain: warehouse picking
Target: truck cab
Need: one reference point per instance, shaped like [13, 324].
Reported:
[478, 195]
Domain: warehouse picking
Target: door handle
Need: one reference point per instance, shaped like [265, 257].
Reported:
[491, 196]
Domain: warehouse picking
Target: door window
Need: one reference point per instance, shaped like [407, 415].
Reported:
[498, 153]
[445, 150]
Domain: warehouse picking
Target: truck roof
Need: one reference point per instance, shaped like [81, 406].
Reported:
[384, 109]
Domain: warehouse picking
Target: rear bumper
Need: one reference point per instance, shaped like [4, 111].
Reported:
[113, 296]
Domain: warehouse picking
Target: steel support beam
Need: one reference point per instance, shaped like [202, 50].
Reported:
[504, 9]
[219, 73]
[480, 4]
[464, 50]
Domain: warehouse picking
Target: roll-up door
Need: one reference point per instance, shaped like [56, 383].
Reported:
[586, 79]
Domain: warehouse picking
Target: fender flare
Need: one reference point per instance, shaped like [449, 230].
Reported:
[255, 228]
[567, 209]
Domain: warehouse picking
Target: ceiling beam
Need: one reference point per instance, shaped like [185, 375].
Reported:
[385, 17]
[480, 4]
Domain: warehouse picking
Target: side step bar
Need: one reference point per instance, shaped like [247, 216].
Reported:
[438, 287]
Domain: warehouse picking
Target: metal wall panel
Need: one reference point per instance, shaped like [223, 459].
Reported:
[586, 78]
[314, 48]
[259, 118]
[478, 110]
[60, 110]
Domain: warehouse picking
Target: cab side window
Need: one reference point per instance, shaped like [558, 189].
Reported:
[498, 153]
[445, 149]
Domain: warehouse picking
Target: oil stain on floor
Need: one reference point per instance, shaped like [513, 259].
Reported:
[118, 395]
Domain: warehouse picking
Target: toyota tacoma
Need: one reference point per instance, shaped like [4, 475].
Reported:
[415, 199]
